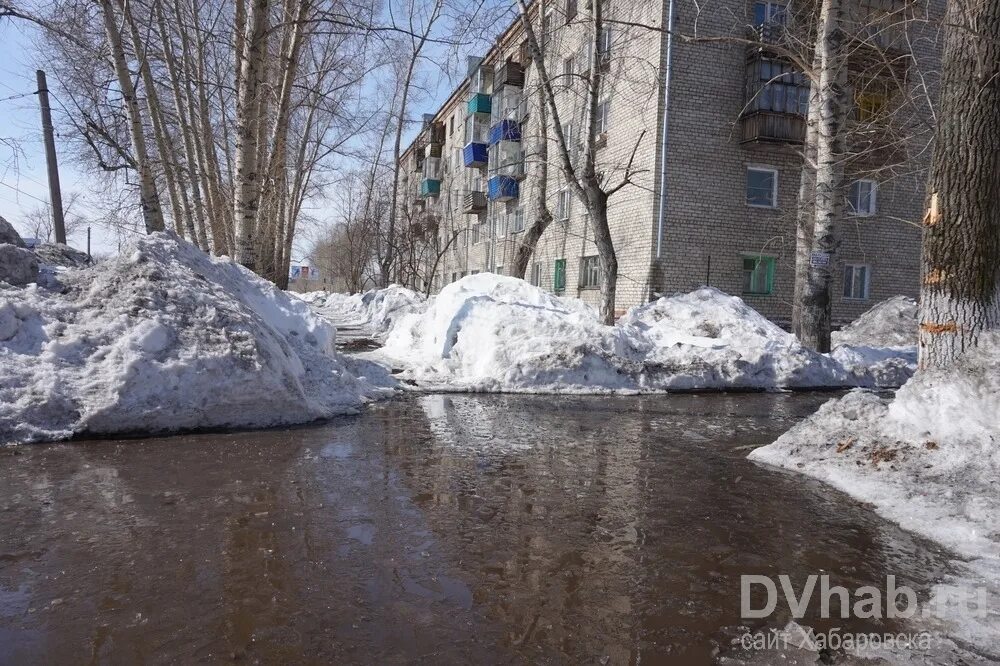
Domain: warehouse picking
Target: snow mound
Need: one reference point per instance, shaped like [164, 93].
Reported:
[488, 332]
[378, 309]
[492, 333]
[386, 306]
[165, 338]
[891, 323]
[709, 339]
[928, 459]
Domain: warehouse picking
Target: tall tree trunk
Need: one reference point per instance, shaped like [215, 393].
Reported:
[805, 214]
[152, 214]
[525, 248]
[196, 208]
[246, 188]
[164, 146]
[816, 304]
[960, 291]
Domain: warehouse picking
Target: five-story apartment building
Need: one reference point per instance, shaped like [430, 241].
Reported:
[709, 119]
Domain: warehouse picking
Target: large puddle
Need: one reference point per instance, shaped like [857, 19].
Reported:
[435, 528]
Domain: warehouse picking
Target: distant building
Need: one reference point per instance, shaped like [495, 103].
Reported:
[715, 130]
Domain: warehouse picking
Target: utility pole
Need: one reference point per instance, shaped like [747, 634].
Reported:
[55, 193]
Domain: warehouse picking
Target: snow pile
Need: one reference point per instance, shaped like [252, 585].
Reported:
[493, 333]
[891, 323]
[708, 339]
[488, 332]
[928, 459]
[385, 307]
[376, 310]
[881, 344]
[164, 338]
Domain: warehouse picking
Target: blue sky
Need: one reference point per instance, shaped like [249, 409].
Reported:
[23, 184]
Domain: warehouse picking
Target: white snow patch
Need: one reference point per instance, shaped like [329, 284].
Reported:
[928, 459]
[165, 338]
[492, 333]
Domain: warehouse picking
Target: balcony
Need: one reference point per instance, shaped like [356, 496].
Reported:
[430, 187]
[475, 155]
[432, 134]
[474, 202]
[480, 103]
[505, 130]
[503, 188]
[510, 74]
[772, 127]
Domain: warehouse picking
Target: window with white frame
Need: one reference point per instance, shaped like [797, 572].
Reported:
[604, 44]
[856, 280]
[476, 233]
[499, 225]
[536, 274]
[603, 115]
[861, 197]
[517, 220]
[563, 204]
[590, 272]
[568, 67]
[762, 187]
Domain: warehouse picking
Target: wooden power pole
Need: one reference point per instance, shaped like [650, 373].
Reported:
[55, 193]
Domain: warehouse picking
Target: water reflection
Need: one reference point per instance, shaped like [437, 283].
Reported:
[495, 529]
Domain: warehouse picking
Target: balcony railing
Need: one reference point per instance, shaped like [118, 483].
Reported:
[479, 103]
[503, 188]
[475, 155]
[510, 74]
[474, 202]
[430, 188]
[505, 130]
[771, 127]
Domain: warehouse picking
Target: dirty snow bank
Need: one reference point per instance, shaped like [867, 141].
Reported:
[493, 333]
[377, 309]
[882, 343]
[891, 323]
[928, 459]
[165, 338]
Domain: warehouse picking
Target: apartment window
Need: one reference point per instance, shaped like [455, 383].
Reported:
[517, 220]
[766, 14]
[536, 274]
[563, 204]
[758, 274]
[476, 233]
[869, 106]
[776, 86]
[499, 226]
[499, 270]
[603, 115]
[559, 275]
[604, 44]
[762, 187]
[856, 278]
[451, 125]
[861, 197]
[570, 10]
[590, 272]
[568, 66]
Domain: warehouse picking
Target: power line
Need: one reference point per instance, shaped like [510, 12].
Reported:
[30, 196]
[7, 99]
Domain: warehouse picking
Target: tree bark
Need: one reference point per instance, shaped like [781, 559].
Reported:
[960, 291]
[246, 188]
[816, 302]
[805, 214]
[543, 216]
[152, 214]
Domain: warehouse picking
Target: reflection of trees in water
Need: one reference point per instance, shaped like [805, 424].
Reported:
[620, 526]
